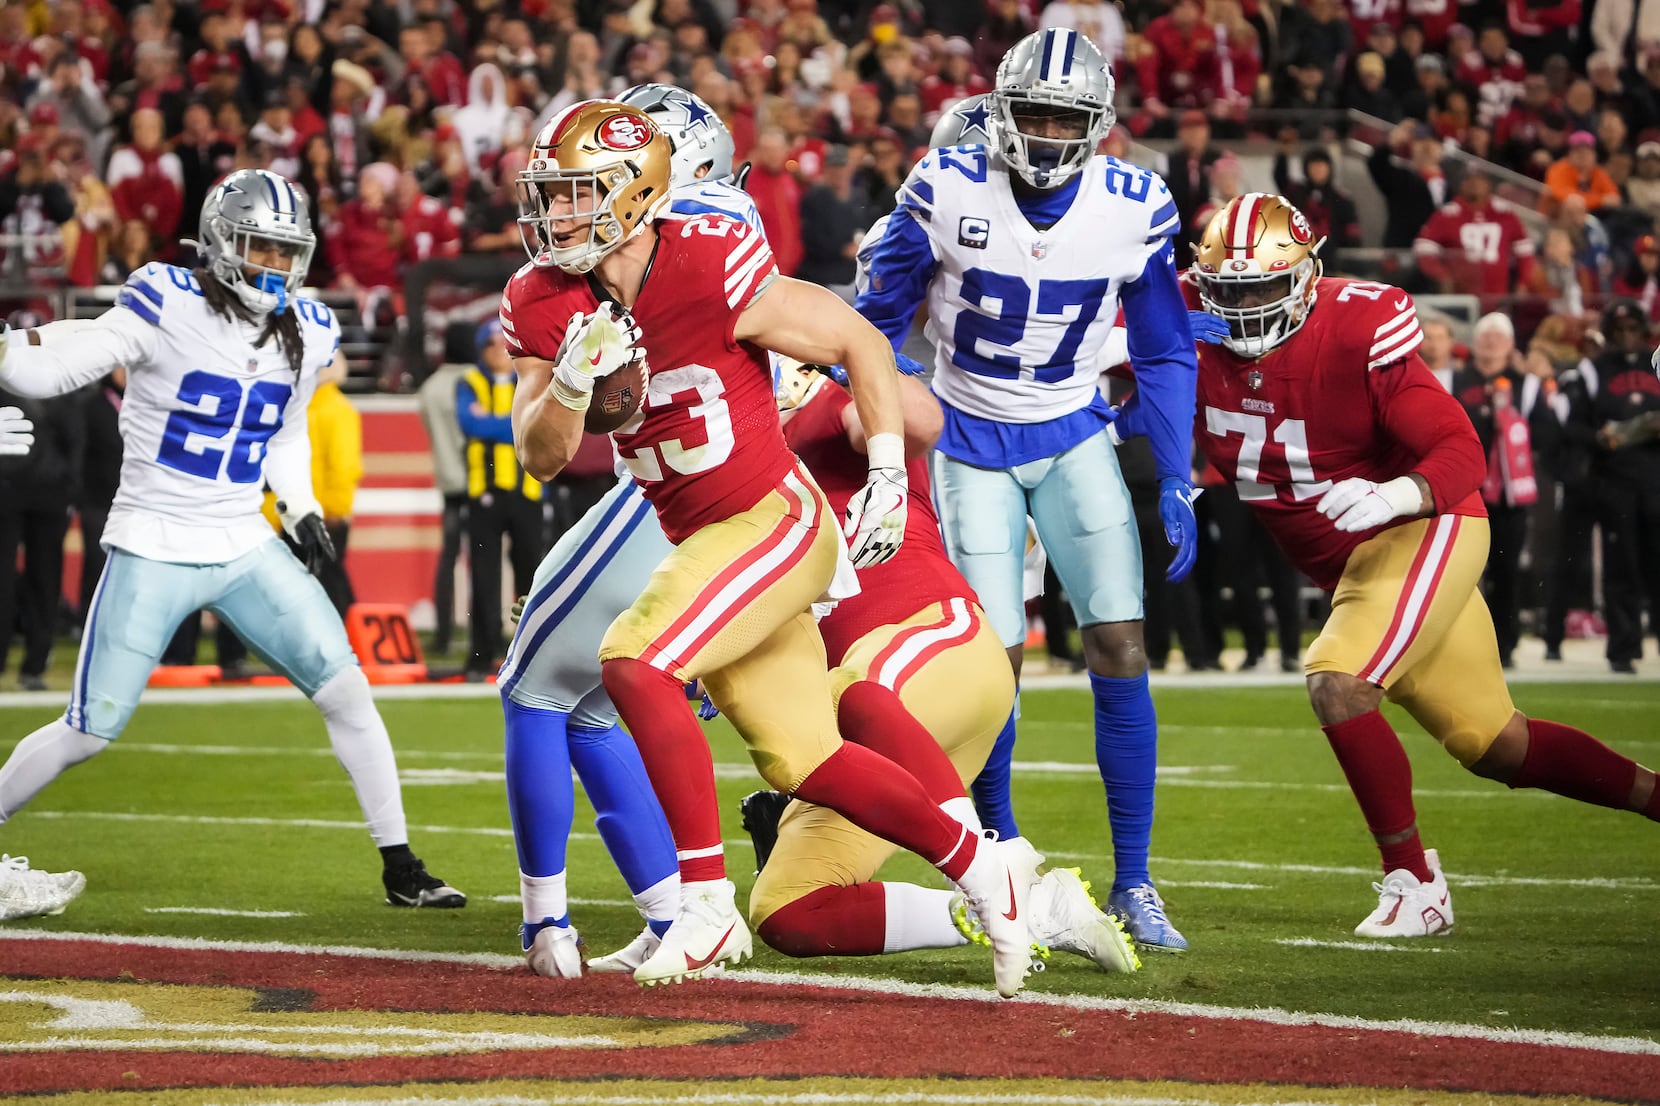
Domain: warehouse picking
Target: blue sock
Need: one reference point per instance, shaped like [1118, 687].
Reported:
[1126, 750]
[991, 787]
[627, 814]
[540, 797]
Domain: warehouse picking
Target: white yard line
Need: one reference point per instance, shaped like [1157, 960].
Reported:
[222, 913]
[1214, 884]
[1627, 1046]
[515, 900]
[1361, 946]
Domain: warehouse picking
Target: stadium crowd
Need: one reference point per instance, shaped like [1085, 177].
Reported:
[406, 123]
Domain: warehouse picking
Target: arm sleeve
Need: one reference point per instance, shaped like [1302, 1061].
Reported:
[489, 428]
[901, 265]
[288, 458]
[1420, 414]
[76, 352]
[1161, 347]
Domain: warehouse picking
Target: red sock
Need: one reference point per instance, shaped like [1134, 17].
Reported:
[880, 797]
[832, 921]
[1576, 765]
[677, 760]
[871, 715]
[1381, 778]
[1652, 811]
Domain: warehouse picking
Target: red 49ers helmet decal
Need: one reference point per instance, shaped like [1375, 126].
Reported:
[621, 132]
[1301, 232]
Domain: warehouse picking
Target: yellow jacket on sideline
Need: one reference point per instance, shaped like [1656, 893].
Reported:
[336, 431]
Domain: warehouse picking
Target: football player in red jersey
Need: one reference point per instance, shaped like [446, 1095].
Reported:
[918, 668]
[1368, 474]
[1468, 244]
[696, 302]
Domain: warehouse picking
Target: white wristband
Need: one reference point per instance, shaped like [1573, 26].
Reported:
[1403, 496]
[570, 397]
[886, 451]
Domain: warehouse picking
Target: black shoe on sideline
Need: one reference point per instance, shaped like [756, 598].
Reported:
[410, 884]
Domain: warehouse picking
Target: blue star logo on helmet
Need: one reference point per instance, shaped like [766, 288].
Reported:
[976, 123]
[696, 114]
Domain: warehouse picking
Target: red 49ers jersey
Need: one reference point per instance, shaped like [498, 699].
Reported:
[919, 574]
[706, 442]
[1345, 396]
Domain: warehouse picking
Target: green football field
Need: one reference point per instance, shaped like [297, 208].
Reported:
[1260, 851]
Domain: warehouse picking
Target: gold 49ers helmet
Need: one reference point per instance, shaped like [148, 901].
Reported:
[598, 173]
[797, 384]
[1256, 268]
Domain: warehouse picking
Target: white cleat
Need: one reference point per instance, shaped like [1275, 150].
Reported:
[707, 932]
[1408, 907]
[28, 893]
[555, 952]
[1066, 917]
[629, 957]
[998, 888]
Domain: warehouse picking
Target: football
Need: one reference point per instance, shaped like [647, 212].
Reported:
[616, 398]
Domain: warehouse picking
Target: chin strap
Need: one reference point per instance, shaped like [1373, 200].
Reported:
[273, 285]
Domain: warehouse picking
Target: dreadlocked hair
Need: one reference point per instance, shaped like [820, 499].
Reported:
[284, 327]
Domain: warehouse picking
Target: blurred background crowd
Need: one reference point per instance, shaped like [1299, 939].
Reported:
[1500, 159]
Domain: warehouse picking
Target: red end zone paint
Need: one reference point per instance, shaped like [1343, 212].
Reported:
[792, 1032]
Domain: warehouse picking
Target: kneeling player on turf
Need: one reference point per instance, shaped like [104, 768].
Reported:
[1368, 474]
[918, 667]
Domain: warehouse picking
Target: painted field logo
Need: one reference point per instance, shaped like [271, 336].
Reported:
[61, 1015]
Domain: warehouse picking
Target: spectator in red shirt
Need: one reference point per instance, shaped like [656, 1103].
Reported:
[1495, 71]
[70, 25]
[1366, 14]
[434, 66]
[956, 80]
[1540, 28]
[430, 229]
[1469, 244]
[1641, 280]
[218, 49]
[1435, 18]
[156, 84]
[146, 181]
[1177, 66]
[1008, 22]
[276, 129]
[1517, 134]
[365, 241]
[777, 197]
[1238, 65]
[18, 58]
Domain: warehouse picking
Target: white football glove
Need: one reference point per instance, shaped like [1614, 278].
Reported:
[596, 345]
[876, 514]
[17, 433]
[1359, 504]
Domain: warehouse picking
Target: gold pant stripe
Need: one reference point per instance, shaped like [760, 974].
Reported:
[742, 581]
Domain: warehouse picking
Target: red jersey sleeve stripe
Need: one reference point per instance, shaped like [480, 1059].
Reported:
[1400, 346]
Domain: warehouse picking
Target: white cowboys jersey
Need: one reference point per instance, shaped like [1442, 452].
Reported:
[203, 410]
[1019, 316]
[717, 197]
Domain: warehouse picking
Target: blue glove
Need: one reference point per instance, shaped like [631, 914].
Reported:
[706, 709]
[836, 373]
[1207, 328]
[1181, 528]
[909, 366]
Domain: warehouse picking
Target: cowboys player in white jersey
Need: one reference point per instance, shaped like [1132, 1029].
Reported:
[558, 715]
[221, 362]
[1022, 249]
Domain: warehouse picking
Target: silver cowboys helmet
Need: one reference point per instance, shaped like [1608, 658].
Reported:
[967, 123]
[1052, 105]
[694, 130]
[255, 209]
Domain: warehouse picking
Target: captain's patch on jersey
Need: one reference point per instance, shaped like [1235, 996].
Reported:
[973, 232]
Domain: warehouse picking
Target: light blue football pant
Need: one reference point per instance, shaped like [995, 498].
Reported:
[558, 714]
[1084, 518]
[265, 595]
[593, 574]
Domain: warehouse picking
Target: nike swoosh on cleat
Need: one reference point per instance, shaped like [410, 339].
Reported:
[1014, 908]
[693, 965]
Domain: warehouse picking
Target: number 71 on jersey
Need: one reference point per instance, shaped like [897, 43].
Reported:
[1288, 434]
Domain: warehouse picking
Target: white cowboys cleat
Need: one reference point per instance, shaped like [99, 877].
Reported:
[998, 887]
[1408, 907]
[707, 931]
[27, 893]
[1065, 917]
[553, 951]
[629, 957]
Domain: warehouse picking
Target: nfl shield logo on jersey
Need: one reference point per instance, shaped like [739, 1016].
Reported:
[1039, 249]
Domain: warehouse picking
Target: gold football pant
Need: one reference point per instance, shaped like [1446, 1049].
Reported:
[950, 671]
[1408, 616]
[730, 606]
